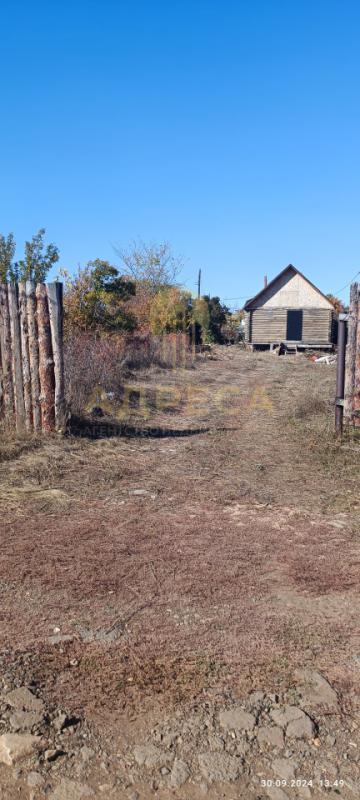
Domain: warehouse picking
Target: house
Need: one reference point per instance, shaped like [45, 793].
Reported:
[291, 311]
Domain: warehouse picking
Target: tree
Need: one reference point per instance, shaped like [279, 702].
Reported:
[95, 299]
[37, 262]
[170, 311]
[7, 252]
[217, 318]
[233, 330]
[201, 318]
[151, 264]
[35, 265]
[337, 303]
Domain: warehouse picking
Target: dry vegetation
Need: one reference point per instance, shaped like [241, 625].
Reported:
[176, 563]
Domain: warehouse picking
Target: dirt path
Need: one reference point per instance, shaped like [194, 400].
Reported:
[151, 584]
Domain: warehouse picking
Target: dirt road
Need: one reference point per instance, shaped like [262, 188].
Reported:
[150, 584]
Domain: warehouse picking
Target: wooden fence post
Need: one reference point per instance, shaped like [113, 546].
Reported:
[55, 298]
[351, 352]
[46, 371]
[32, 386]
[5, 344]
[16, 356]
[33, 353]
[24, 333]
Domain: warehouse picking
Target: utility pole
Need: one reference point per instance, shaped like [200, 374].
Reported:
[199, 282]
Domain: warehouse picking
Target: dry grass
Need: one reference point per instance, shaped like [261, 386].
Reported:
[216, 573]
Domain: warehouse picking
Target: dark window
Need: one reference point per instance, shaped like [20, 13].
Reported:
[294, 325]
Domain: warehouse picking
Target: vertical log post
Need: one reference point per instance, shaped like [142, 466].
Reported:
[16, 356]
[24, 333]
[5, 343]
[46, 371]
[356, 396]
[55, 299]
[351, 353]
[33, 353]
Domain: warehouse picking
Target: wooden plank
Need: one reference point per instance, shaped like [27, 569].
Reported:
[33, 353]
[24, 334]
[55, 299]
[16, 356]
[46, 362]
[6, 368]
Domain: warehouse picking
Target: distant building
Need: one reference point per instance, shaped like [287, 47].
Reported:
[290, 310]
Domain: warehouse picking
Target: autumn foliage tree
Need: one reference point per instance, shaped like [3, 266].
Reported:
[170, 311]
[96, 299]
[337, 303]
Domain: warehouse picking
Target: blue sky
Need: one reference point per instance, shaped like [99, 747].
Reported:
[230, 129]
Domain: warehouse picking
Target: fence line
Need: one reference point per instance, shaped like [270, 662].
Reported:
[352, 364]
[32, 393]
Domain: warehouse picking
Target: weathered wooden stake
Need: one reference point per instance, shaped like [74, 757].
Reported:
[16, 356]
[24, 333]
[33, 353]
[5, 343]
[55, 299]
[351, 352]
[46, 371]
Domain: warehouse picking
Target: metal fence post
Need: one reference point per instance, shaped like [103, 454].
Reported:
[340, 376]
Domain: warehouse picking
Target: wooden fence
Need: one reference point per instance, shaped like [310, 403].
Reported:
[32, 395]
[352, 363]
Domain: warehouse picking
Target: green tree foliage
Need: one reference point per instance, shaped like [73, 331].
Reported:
[95, 299]
[201, 319]
[7, 252]
[217, 317]
[170, 311]
[38, 260]
[36, 264]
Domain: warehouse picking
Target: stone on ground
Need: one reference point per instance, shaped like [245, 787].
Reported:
[219, 767]
[315, 690]
[15, 746]
[274, 737]
[284, 767]
[302, 728]
[71, 790]
[236, 719]
[35, 780]
[25, 720]
[147, 755]
[23, 700]
[179, 774]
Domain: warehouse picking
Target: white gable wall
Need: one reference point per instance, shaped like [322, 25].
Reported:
[292, 291]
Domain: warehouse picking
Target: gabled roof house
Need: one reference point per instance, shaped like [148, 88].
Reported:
[290, 310]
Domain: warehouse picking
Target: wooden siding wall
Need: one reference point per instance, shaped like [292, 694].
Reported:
[265, 325]
[268, 325]
[317, 323]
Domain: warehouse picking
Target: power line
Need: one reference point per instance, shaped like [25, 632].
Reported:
[241, 297]
[348, 284]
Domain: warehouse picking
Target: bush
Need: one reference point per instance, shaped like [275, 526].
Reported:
[93, 361]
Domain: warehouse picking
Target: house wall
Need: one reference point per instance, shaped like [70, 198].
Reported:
[266, 325]
[292, 291]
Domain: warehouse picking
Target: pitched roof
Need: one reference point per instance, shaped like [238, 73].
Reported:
[289, 268]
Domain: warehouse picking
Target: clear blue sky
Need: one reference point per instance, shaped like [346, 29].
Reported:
[231, 129]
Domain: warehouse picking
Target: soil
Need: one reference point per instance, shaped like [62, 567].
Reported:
[152, 581]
